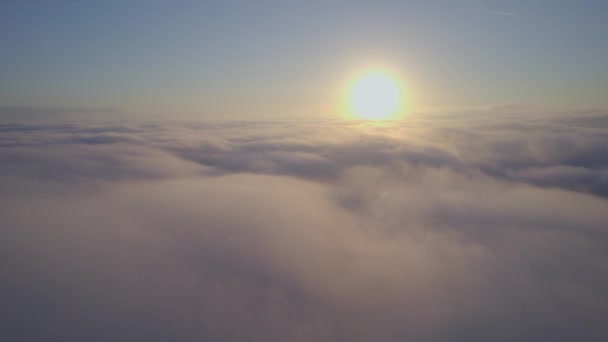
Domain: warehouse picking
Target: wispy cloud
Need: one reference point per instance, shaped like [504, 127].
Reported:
[502, 13]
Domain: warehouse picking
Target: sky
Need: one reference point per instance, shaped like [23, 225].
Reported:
[252, 59]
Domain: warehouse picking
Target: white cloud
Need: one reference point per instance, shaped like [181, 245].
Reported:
[435, 229]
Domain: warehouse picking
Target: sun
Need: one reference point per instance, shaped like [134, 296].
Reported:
[375, 96]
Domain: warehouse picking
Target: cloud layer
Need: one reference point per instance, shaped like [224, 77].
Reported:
[487, 226]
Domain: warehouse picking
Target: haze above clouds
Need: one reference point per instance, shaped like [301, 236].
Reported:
[487, 226]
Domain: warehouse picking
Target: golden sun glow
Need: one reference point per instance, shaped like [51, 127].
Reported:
[376, 96]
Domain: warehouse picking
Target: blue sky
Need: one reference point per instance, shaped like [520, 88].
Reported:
[283, 58]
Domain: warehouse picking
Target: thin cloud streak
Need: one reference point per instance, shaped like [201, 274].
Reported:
[503, 13]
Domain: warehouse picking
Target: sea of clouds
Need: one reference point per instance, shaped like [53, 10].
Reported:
[485, 226]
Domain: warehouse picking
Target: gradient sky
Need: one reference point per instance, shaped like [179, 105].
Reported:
[286, 58]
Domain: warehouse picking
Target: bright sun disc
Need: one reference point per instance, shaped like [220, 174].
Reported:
[375, 96]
